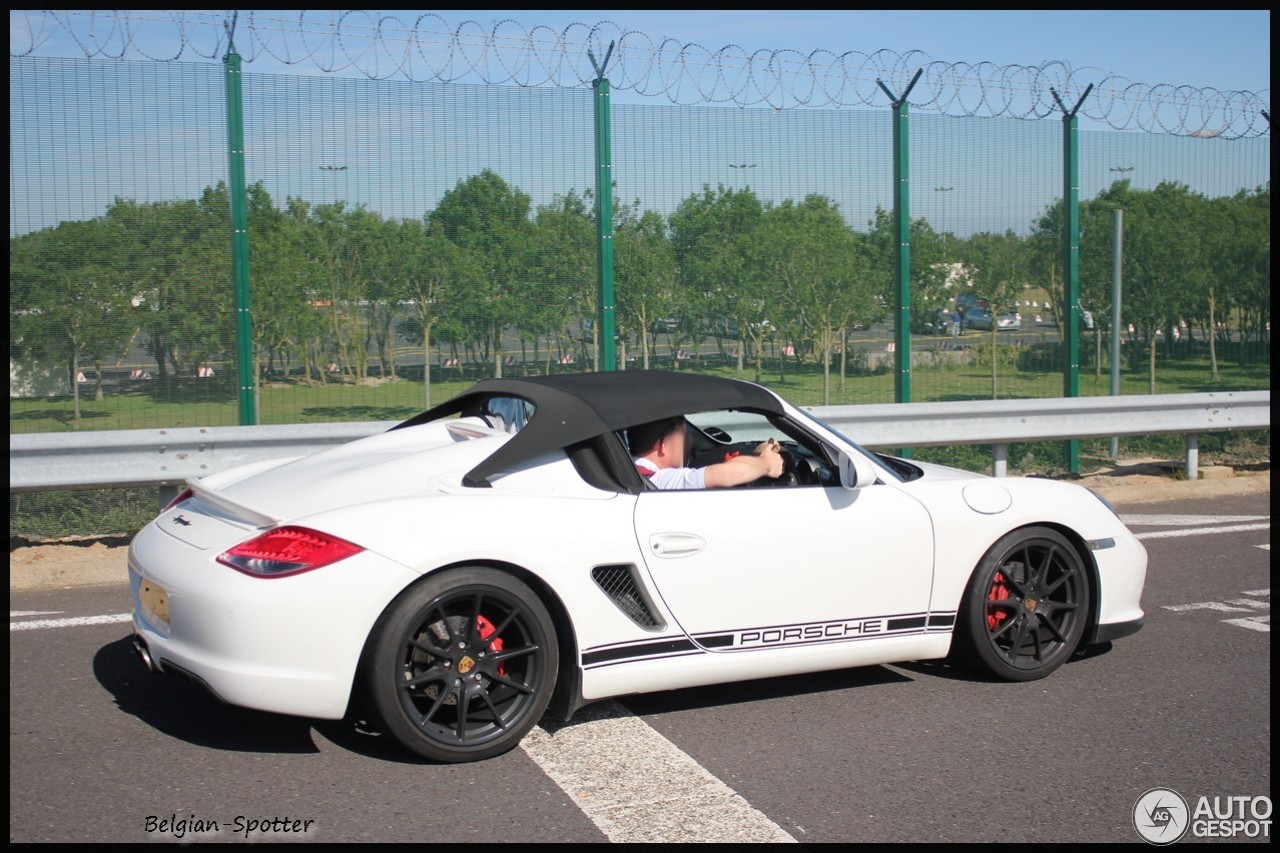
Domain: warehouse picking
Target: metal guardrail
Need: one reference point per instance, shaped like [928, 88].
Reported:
[167, 457]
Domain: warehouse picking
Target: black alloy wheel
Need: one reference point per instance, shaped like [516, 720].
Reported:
[1026, 606]
[462, 665]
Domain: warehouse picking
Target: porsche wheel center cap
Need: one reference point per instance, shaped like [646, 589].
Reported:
[1030, 604]
[466, 664]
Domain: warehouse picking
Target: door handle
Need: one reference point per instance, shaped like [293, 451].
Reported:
[676, 544]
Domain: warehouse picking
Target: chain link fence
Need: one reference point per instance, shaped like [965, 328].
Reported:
[407, 237]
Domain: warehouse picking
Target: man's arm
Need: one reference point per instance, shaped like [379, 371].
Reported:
[767, 462]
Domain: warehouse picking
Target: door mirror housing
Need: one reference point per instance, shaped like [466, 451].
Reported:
[856, 470]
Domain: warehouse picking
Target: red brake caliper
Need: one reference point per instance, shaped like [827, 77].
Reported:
[999, 592]
[486, 631]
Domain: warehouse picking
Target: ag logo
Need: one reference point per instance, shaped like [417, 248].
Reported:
[1161, 816]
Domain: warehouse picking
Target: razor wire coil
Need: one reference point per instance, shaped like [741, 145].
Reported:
[431, 49]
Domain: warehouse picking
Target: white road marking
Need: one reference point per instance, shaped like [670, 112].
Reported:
[1266, 547]
[1187, 520]
[16, 613]
[1253, 623]
[1206, 605]
[1196, 531]
[1249, 602]
[1261, 622]
[36, 624]
[637, 786]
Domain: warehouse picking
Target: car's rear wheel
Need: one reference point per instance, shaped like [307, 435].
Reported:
[1026, 606]
[462, 665]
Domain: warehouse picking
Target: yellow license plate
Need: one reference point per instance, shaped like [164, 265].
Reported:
[154, 601]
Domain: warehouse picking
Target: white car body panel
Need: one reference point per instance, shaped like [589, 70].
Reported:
[787, 556]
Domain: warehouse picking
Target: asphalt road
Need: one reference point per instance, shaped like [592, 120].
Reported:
[100, 750]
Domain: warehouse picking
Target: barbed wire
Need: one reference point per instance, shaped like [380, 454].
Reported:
[430, 49]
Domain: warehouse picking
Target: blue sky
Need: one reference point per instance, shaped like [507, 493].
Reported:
[1223, 49]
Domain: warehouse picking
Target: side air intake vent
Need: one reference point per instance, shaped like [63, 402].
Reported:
[624, 589]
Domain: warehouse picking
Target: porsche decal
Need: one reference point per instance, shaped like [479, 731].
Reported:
[772, 637]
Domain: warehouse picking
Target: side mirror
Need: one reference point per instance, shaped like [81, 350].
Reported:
[856, 470]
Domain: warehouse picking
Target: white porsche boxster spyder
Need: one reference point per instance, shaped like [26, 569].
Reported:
[499, 557]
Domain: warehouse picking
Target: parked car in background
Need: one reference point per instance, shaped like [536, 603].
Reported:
[1010, 320]
[978, 318]
[982, 319]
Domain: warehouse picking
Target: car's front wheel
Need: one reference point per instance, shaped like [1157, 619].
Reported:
[462, 665]
[1026, 606]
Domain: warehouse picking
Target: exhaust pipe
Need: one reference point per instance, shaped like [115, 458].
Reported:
[140, 647]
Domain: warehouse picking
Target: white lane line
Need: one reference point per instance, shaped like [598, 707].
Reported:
[1186, 520]
[1253, 623]
[1196, 531]
[36, 624]
[637, 786]
[16, 613]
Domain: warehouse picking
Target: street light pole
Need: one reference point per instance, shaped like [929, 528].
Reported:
[741, 167]
[942, 225]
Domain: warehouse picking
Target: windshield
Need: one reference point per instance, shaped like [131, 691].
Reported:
[874, 457]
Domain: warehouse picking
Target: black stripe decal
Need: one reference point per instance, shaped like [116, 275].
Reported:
[777, 636]
[941, 620]
[661, 648]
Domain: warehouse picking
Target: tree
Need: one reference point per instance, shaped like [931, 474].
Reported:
[556, 293]
[432, 274]
[489, 219]
[1164, 264]
[999, 270]
[645, 274]
[285, 273]
[707, 234]
[806, 253]
[68, 298]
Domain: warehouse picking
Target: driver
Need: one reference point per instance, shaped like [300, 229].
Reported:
[660, 451]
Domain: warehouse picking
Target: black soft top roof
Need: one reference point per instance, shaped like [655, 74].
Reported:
[577, 407]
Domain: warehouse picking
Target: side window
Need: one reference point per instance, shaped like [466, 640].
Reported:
[716, 435]
[508, 414]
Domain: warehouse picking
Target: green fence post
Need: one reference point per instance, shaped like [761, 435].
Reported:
[605, 320]
[1071, 260]
[902, 237]
[240, 237]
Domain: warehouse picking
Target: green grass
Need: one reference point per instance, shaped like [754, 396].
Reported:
[194, 404]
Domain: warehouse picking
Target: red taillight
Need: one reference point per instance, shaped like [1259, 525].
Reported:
[182, 496]
[287, 551]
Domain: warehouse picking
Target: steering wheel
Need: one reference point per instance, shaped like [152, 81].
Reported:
[789, 468]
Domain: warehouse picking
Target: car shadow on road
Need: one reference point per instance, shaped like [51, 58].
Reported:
[756, 691]
[944, 668]
[187, 711]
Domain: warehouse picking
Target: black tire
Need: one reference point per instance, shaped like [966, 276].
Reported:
[1026, 606]
[462, 665]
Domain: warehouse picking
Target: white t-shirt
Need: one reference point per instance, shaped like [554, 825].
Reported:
[670, 478]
